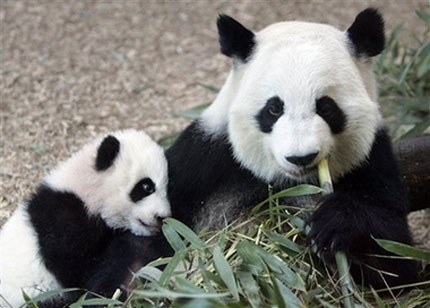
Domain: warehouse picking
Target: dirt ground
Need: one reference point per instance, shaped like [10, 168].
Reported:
[71, 70]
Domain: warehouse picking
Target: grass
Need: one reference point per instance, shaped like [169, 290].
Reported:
[263, 262]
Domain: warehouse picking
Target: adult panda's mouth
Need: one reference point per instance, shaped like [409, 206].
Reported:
[301, 173]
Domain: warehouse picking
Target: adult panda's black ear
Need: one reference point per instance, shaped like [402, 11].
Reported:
[107, 152]
[367, 33]
[235, 40]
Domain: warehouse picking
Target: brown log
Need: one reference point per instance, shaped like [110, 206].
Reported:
[414, 160]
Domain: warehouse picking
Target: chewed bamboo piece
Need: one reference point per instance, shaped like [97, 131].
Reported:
[341, 260]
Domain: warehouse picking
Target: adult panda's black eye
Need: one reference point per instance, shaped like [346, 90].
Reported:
[270, 113]
[327, 109]
[142, 189]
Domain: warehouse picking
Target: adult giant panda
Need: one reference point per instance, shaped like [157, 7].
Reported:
[83, 226]
[299, 92]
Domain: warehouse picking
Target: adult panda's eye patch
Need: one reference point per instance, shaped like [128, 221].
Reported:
[270, 113]
[142, 189]
[327, 109]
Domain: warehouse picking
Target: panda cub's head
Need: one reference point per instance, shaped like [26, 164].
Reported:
[122, 178]
[299, 92]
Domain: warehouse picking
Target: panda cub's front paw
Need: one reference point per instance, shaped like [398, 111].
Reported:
[335, 225]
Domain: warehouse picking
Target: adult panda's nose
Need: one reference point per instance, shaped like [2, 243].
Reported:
[302, 160]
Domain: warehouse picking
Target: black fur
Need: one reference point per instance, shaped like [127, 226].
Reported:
[369, 201]
[327, 109]
[235, 40]
[81, 251]
[69, 239]
[126, 253]
[270, 113]
[367, 33]
[200, 165]
[142, 189]
[107, 152]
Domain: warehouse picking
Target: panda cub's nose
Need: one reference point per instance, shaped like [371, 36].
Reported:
[302, 160]
[159, 220]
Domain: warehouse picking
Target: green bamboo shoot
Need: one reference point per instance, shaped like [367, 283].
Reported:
[341, 260]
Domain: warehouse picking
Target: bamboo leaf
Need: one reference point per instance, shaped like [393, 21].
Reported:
[186, 232]
[168, 140]
[282, 271]
[423, 66]
[296, 191]
[165, 293]
[225, 272]
[191, 113]
[298, 222]
[404, 250]
[246, 252]
[418, 129]
[196, 303]
[186, 286]
[289, 297]
[423, 15]
[379, 301]
[250, 288]
[283, 241]
[277, 293]
[170, 268]
[46, 295]
[97, 301]
[173, 237]
[208, 87]
[214, 277]
[150, 273]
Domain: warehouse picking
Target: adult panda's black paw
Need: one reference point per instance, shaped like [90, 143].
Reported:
[337, 226]
[348, 224]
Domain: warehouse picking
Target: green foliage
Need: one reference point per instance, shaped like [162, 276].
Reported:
[251, 267]
[404, 250]
[191, 113]
[403, 73]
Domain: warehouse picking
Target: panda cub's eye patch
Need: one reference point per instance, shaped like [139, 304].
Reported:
[270, 113]
[327, 109]
[142, 189]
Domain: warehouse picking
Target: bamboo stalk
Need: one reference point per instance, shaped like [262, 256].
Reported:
[341, 260]
[116, 294]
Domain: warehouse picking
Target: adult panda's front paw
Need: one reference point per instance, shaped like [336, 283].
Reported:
[337, 225]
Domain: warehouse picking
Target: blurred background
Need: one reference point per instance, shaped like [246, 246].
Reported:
[71, 70]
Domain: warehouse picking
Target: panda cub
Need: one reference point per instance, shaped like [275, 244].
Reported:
[299, 92]
[82, 226]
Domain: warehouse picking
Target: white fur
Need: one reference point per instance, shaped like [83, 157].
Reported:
[215, 118]
[105, 193]
[21, 268]
[299, 62]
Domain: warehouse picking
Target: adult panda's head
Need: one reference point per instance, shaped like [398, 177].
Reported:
[299, 92]
[122, 178]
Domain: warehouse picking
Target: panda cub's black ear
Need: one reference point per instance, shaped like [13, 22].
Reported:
[235, 40]
[107, 152]
[367, 33]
